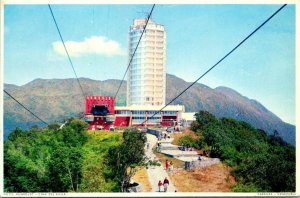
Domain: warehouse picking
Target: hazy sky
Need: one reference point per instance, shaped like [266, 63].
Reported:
[263, 68]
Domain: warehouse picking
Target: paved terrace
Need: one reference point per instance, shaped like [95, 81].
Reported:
[187, 156]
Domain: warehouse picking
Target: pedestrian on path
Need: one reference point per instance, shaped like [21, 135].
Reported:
[167, 165]
[160, 184]
[166, 184]
[159, 146]
[171, 166]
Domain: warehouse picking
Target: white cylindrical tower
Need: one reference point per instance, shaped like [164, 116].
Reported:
[146, 78]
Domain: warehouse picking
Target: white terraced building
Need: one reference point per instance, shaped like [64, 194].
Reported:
[135, 115]
[146, 79]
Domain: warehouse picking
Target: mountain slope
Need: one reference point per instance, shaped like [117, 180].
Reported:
[226, 102]
[56, 99]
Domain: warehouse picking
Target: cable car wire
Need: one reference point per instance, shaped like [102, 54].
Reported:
[237, 46]
[69, 58]
[149, 15]
[25, 107]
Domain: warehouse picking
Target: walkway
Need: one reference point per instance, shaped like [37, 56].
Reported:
[156, 173]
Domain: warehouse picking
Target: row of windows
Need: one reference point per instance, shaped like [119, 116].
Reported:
[154, 118]
[146, 70]
[146, 60]
[151, 49]
[138, 118]
[146, 76]
[137, 30]
[144, 118]
[123, 112]
[138, 112]
[145, 47]
[137, 34]
[149, 55]
[150, 113]
[127, 112]
[146, 44]
[147, 65]
[99, 98]
[136, 78]
[135, 72]
[154, 84]
[170, 112]
[135, 94]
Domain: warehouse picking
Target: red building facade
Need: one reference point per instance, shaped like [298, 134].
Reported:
[101, 113]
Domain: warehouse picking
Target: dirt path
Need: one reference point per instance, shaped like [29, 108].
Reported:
[156, 173]
[214, 178]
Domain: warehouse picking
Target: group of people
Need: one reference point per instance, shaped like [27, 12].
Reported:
[166, 136]
[186, 148]
[165, 185]
[163, 136]
[169, 165]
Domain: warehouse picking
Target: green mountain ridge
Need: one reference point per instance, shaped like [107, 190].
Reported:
[57, 99]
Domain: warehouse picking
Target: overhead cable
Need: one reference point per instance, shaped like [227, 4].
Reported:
[149, 15]
[25, 107]
[237, 46]
[69, 58]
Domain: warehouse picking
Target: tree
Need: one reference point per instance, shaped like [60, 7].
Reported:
[43, 160]
[195, 125]
[53, 126]
[65, 169]
[123, 160]
[16, 134]
[260, 162]
[204, 118]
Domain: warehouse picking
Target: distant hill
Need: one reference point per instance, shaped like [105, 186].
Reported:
[56, 99]
[226, 102]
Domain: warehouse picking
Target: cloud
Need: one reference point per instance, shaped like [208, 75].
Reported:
[92, 45]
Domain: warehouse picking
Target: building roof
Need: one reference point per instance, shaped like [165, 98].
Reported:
[151, 108]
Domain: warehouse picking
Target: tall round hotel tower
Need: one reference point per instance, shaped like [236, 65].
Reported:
[146, 78]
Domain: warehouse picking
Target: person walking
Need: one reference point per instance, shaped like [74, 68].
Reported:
[167, 165]
[160, 184]
[159, 146]
[171, 166]
[166, 184]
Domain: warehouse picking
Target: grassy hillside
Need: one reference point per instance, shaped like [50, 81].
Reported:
[260, 162]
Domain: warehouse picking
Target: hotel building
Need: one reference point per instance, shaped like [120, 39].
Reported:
[146, 78]
[146, 86]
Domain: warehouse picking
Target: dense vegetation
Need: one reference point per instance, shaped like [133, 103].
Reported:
[95, 152]
[44, 160]
[70, 159]
[123, 160]
[260, 162]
